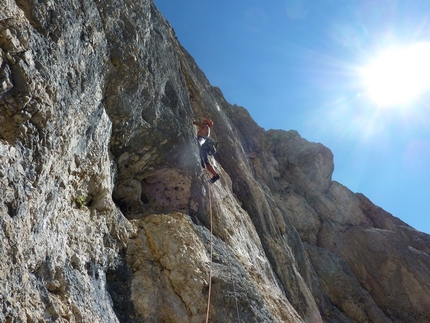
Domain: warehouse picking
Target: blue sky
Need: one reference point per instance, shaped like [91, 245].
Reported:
[298, 64]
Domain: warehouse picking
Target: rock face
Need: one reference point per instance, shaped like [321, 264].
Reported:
[105, 211]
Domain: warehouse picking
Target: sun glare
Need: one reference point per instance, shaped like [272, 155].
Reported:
[398, 76]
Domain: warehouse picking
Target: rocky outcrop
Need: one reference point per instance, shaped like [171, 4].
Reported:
[105, 211]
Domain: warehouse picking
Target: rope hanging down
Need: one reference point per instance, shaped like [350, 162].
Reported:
[210, 266]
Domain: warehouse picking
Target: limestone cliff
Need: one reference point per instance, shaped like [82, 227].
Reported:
[105, 210]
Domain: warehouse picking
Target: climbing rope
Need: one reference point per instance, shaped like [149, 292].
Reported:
[210, 266]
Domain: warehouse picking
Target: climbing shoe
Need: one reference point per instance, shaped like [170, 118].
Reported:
[214, 179]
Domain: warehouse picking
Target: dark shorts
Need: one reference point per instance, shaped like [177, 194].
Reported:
[203, 153]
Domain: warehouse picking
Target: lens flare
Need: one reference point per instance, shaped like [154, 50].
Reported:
[399, 76]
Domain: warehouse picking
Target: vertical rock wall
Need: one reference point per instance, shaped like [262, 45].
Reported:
[60, 230]
[105, 210]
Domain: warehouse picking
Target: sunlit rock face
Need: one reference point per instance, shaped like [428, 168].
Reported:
[105, 210]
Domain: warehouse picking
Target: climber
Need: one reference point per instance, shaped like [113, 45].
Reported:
[202, 138]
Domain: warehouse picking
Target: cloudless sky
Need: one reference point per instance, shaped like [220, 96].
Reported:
[297, 64]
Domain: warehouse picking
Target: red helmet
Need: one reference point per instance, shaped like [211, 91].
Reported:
[209, 122]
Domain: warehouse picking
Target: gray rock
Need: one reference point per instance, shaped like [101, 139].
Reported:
[106, 213]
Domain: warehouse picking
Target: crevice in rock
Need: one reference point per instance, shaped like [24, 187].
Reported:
[11, 210]
[118, 281]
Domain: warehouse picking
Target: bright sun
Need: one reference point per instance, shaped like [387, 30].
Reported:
[398, 76]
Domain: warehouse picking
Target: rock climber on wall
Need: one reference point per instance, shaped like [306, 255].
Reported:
[206, 145]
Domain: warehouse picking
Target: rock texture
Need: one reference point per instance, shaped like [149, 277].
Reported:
[105, 211]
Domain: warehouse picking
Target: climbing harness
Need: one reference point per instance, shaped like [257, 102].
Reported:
[210, 265]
